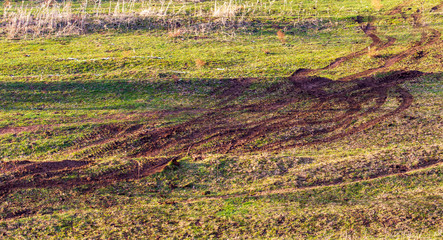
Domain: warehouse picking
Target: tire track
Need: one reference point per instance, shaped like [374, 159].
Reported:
[397, 173]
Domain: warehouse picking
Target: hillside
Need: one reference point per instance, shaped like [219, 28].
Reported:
[233, 120]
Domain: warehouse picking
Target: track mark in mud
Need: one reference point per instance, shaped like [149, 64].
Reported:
[437, 7]
[121, 117]
[377, 44]
[46, 174]
[20, 213]
[427, 39]
[301, 110]
[327, 110]
[399, 171]
[28, 167]
[398, 9]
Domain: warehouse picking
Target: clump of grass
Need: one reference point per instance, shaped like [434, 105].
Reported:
[281, 36]
[227, 10]
[199, 63]
[225, 13]
[175, 33]
[266, 51]
[7, 4]
[52, 18]
[372, 51]
[376, 4]
[48, 18]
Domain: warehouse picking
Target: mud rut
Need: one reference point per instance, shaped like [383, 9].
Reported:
[308, 110]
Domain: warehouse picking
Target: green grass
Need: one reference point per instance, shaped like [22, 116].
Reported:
[57, 91]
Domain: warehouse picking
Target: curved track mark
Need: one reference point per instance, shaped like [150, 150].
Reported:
[398, 172]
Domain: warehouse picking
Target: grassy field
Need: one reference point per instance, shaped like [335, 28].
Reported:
[210, 119]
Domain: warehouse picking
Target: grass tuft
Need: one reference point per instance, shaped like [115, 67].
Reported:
[281, 36]
[199, 63]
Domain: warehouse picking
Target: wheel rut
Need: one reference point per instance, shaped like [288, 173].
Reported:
[399, 172]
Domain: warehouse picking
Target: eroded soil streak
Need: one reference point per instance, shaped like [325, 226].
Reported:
[303, 110]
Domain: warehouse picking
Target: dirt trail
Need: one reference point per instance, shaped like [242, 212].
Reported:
[376, 45]
[309, 110]
[426, 40]
[113, 117]
[437, 7]
[45, 174]
[398, 172]
[399, 9]
[27, 167]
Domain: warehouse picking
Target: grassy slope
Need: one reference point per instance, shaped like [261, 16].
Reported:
[221, 195]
